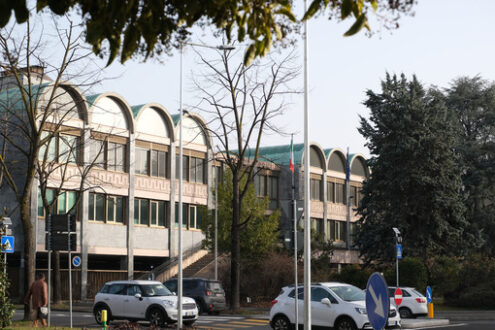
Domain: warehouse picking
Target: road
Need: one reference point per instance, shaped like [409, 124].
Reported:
[227, 322]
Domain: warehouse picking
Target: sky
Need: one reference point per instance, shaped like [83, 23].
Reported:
[445, 39]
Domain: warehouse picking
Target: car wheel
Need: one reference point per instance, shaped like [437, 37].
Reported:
[97, 313]
[345, 323]
[281, 322]
[156, 317]
[405, 313]
[189, 323]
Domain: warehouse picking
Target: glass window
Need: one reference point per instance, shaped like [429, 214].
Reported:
[116, 157]
[136, 211]
[91, 206]
[192, 170]
[185, 168]
[331, 192]
[158, 163]
[61, 200]
[161, 213]
[154, 213]
[117, 289]
[260, 185]
[111, 209]
[315, 189]
[68, 149]
[142, 161]
[119, 210]
[71, 202]
[340, 193]
[200, 168]
[100, 207]
[97, 153]
[192, 217]
[143, 212]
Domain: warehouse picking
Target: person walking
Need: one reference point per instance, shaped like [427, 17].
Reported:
[39, 293]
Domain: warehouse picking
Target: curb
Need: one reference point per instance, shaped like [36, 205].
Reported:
[412, 324]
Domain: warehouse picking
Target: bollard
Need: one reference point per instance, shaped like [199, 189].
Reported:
[104, 318]
[430, 310]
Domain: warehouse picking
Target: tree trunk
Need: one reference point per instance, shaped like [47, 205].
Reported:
[29, 251]
[57, 285]
[235, 266]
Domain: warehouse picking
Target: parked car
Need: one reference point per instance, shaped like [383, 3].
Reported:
[413, 303]
[333, 305]
[208, 294]
[142, 300]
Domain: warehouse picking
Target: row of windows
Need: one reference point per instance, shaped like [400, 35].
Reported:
[106, 208]
[267, 185]
[336, 230]
[108, 155]
[150, 212]
[193, 169]
[191, 216]
[151, 162]
[63, 203]
[336, 192]
[60, 148]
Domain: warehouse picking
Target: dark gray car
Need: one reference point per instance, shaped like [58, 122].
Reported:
[208, 294]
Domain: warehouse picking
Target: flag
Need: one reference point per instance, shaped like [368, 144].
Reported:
[347, 168]
[291, 160]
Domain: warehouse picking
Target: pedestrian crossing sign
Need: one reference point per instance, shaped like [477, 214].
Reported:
[7, 244]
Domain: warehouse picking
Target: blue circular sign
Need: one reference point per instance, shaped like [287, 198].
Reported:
[76, 261]
[428, 294]
[377, 301]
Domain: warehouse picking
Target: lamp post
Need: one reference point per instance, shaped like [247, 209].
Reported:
[179, 263]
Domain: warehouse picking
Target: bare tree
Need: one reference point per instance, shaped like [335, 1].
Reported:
[242, 104]
[37, 113]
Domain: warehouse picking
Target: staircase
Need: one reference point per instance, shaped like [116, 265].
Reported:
[199, 265]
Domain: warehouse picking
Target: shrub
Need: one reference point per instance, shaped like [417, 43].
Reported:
[412, 272]
[355, 275]
[444, 276]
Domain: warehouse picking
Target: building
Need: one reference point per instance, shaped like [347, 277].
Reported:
[119, 180]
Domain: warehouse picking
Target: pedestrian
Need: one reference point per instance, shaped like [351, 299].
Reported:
[39, 293]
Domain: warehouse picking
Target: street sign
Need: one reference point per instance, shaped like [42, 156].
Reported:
[377, 301]
[76, 261]
[8, 243]
[428, 294]
[398, 296]
[399, 251]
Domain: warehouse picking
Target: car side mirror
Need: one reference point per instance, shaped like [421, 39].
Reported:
[174, 293]
[326, 301]
[138, 295]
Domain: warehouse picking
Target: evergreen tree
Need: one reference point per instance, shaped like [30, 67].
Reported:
[415, 179]
[472, 100]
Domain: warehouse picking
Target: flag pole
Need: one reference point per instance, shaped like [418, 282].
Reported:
[294, 212]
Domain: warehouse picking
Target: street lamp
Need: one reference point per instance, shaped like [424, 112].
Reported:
[179, 265]
[398, 240]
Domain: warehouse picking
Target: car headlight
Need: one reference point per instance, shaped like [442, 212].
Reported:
[169, 303]
[361, 310]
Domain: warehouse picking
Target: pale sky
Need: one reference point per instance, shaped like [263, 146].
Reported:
[445, 39]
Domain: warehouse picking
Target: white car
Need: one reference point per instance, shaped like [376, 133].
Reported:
[413, 303]
[333, 305]
[142, 300]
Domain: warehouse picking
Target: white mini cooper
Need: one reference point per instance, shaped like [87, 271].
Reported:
[142, 300]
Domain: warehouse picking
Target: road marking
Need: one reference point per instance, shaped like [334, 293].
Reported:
[258, 320]
[247, 322]
[444, 326]
[219, 328]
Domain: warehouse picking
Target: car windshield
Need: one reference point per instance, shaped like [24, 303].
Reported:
[348, 292]
[153, 290]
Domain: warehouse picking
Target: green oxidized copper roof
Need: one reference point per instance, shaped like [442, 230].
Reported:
[135, 109]
[278, 154]
[175, 118]
[91, 99]
[11, 98]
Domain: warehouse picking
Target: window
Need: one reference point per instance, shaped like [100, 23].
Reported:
[106, 208]
[158, 163]
[317, 225]
[191, 216]
[260, 185]
[355, 196]
[340, 193]
[108, 155]
[317, 294]
[142, 161]
[273, 192]
[353, 232]
[193, 169]
[64, 202]
[315, 190]
[60, 148]
[331, 192]
[337, 230]
[150, 212]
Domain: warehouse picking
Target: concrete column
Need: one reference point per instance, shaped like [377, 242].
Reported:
[130, 207]
[84, 215]
[172, 232]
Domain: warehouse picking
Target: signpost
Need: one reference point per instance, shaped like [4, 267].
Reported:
[398, 296]
[377, 301]
[399, 251]
[76, 261]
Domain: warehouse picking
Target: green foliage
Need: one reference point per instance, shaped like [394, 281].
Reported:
[472, 101]
[136, 27]
[322, 251]
[355, 275]
[444, 275]
[412, 272]
[416, 181]
[259, 232]
[7, 309]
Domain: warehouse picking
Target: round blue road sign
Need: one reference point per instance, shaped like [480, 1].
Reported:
[428, 294]
[76, 261]
[377, 301]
